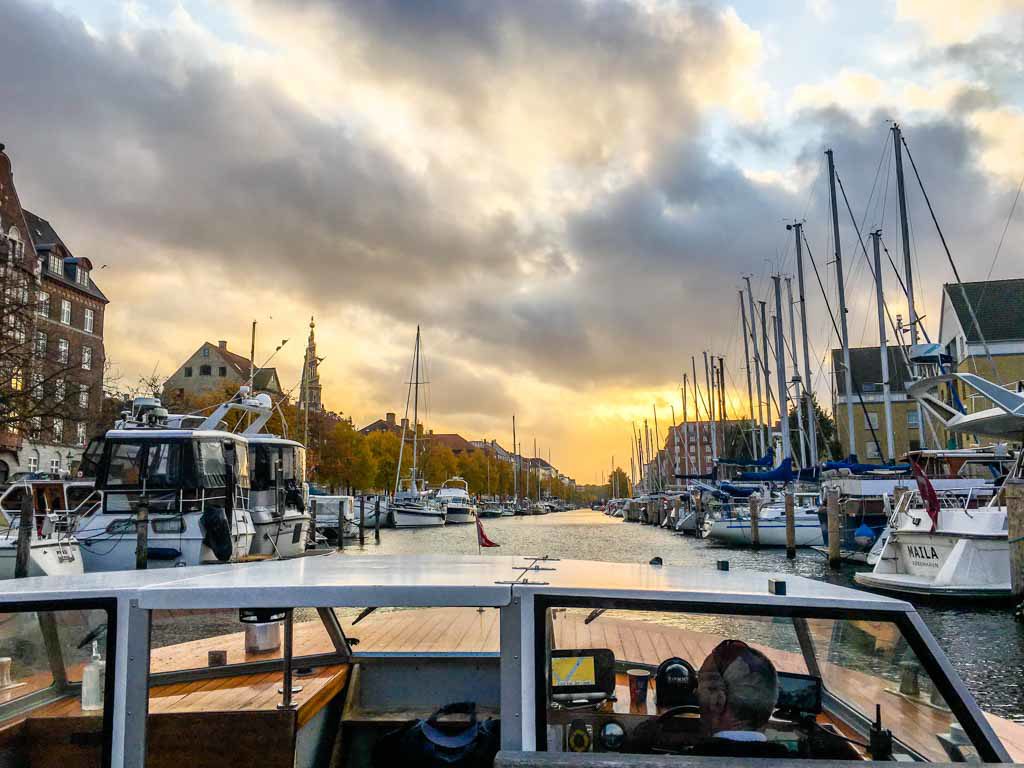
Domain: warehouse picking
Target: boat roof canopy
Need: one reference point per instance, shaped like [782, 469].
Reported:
[438, 581]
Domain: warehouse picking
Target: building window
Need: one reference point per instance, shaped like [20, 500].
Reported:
[43, 309]
[83, 275]
[35, 427]
[17, 380]
[56, 264]
[33, 464]
[62, 351]
[80, 433]
[206, 351]
[188, 371]
[204, 370]
[87, 358]
[912, 420]
[65, 311]
[873, 450]
[870, 420]
[40, 342]
[55, 465]
[60, 390]
[37, 384]
[222, 371]
[90, 317]
[58, 430]
[83, 396]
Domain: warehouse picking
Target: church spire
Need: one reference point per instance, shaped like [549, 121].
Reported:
[309, 392]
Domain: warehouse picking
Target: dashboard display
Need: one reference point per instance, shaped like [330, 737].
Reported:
[573, 671]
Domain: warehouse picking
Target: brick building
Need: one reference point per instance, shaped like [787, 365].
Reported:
[53, 341]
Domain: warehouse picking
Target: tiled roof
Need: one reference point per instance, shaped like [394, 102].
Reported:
[45, 239]
[866, 367]
[452, 441]
[998, 305]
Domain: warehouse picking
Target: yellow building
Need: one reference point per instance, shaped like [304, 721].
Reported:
[869, 407]
[999, 308]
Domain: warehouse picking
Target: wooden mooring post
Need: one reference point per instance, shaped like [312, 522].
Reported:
[834, 527]
[340, 544]
[142, 533]
[362, 520]
[1013, 495]
[25, 523]
[755, 510]
[376, 521]
[790, 525]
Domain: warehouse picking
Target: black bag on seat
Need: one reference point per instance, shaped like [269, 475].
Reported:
[433, 744]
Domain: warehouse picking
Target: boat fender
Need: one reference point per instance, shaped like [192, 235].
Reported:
[657, 561]
[217, 533]
[864, 536]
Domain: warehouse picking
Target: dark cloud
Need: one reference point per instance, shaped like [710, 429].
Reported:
[147, 141]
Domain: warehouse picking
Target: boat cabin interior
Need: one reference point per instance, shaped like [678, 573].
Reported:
[334, 662]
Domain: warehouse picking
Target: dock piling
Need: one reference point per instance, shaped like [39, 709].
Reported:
[142, 534]
[1013, 495]
[362, 520]
[834, 527]
[376, 521]
[755, 510]
[790, 525]
[25, 523]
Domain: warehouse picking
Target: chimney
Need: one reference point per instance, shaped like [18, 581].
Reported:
[222, 344]
[390, 419]
[405, 425]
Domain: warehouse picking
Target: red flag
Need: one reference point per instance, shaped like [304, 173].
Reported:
[928, 495]
[481, 537]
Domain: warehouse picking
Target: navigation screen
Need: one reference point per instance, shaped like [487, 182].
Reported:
[799, 693]
[573, 671]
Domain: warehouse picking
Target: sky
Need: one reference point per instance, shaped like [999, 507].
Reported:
[564, 194]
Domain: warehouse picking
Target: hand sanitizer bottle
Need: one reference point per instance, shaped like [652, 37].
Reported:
[93, 678]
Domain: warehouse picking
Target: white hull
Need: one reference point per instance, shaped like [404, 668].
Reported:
[771, 531]
[46, 557]
[416, 516]
[105, 551]
[949, 562]
[281, 538]
[459, 513]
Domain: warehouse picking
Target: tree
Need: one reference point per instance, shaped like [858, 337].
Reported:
[827, 436]
[474, 469]
[619, 481]
[438, 463]
[346, 460]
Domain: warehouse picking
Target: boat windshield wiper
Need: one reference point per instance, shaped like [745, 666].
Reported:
[363, 614]
[594, 614]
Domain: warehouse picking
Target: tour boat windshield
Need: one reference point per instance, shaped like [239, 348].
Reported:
[265, 456]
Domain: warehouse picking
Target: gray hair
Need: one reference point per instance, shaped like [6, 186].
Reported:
[750, 682]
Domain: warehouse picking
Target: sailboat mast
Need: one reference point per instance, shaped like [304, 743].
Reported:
[710, 409]
[657, 448]
[686, 432]
[697, 420]
[767, 377]
[812, 432]
[515, 462]
[844, 333]
[908, 269]
[883, 348]
[796, 372]
[415, 403]
[780, 362]
[722, 406]
[746, 360]
[757, 364]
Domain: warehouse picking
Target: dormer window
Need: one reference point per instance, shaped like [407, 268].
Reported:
[56, 264]
[83, 276]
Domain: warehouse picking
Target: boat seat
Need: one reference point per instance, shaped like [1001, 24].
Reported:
[511, 759]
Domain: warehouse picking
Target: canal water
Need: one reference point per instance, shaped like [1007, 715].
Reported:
[985, 645]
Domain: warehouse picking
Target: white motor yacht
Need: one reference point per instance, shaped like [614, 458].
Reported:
[57, 505]
[277, 473]
[191, 476]
[454, 496]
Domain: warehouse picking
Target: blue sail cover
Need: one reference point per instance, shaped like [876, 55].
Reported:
[735, 490]
[712, 475]
[854, 466]
[781, 474]
[765, 461]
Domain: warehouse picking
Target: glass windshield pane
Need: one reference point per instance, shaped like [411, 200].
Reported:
[798, 687]
[164, 466]
[125, 467]
[212, 468]
[262, 466]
